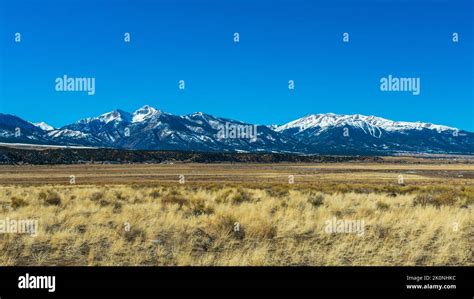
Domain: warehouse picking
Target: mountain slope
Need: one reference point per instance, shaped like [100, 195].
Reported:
[148, 128]
[15, 130]
[43, 126]
[326, 133]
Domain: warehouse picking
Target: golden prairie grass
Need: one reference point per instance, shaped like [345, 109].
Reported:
[212, 224]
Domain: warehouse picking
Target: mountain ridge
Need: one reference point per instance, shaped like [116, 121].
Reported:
[148, 128]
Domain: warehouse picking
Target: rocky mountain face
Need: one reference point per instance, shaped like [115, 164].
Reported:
[351, 133]
[150, 129]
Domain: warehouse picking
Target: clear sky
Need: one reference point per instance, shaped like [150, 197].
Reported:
[192, 40]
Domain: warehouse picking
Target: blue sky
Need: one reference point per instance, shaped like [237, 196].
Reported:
[192, 40]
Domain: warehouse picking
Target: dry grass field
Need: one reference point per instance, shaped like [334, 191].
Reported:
[240, 214]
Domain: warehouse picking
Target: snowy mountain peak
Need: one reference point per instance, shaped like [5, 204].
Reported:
[324, 121]
[272, 127]
[150, 129]
[44, 126]
[199, 115]
[116, 115]
[144, 113]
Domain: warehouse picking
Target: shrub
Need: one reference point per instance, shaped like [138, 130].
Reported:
[133, 234]
[277, 191]
[223, 196]
[82, 228]
[42, 195]
[422, 199]
[174, 200]
[119, 195]
[97, 196]
[199, 207]
[155, 194]
[316, 200]
[444, 198]
[51, 198]
[117, 208]
[201, 241]
[380, 205]
[18, 202]
[241, 196]
[104, 202]
[224, 224]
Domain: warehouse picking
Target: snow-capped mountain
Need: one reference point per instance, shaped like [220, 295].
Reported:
[348, 133]
[43, 126]
[148, 128]
[369, 124]
[144, 113]
[15, 130]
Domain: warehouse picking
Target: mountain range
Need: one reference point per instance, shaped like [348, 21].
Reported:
[151, 129]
